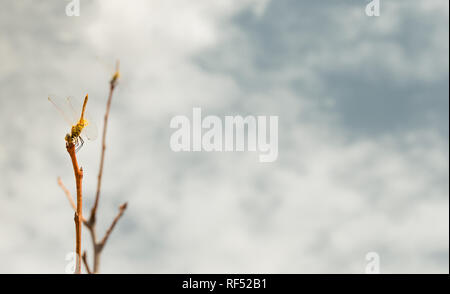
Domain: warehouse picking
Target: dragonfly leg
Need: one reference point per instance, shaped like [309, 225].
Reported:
[80, 143]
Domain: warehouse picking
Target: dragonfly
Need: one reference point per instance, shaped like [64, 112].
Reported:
[80, 124]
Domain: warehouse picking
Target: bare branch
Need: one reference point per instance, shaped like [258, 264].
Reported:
[78, 213]
[113, 224]
[69, 197]
[113, 83]
[86, 265]
[90, 223]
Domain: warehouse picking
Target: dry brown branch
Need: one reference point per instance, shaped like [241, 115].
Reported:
[99, 245]
[86, 265]
[91, 222]
[113, 224]
[78, 213]
[112, 86]
[67, 193]
[69, 197]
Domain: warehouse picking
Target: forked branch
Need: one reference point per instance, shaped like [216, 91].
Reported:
[90, 223]
[69, 197]
[113, 224]
[86, 265]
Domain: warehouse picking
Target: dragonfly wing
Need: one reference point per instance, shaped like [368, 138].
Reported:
[74, 108]
[64, 109]
[90, 130]
[70, 109]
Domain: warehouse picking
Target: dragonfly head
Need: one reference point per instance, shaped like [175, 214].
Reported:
[68, 138]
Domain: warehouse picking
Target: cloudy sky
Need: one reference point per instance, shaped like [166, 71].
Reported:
[363, 134]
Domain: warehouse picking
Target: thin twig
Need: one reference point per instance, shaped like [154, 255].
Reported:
[67, 193]
[78, 213]
[86, 265]
[112, 86]
[69, 197]
[90, 224]
[113, 224]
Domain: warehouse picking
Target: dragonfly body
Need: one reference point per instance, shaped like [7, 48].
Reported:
[74, 137]
[78, 126]
[75, 132]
